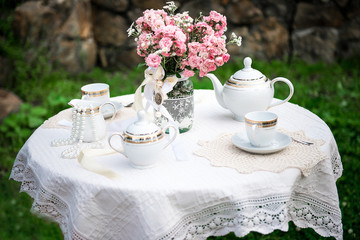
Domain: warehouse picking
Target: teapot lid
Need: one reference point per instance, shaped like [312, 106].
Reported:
[142, 130]
[248, 73]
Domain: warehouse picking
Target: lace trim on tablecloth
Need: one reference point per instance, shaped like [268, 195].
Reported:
[46, 204]
[241, 217]
[336, 163]
[261, 215]
[222, 153]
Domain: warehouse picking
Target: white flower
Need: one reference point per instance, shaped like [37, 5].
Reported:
[131, 30]
[238, 41]
[235, 39]
[171, 7]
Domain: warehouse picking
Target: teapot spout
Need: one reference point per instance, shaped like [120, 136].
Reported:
[218, 87]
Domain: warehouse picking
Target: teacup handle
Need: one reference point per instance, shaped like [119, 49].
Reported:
[109, 141]
[281, 79]
[85, 97]
[173, 137]
[113, 116]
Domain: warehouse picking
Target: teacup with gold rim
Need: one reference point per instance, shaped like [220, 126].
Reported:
[98, 92]
[261, 127]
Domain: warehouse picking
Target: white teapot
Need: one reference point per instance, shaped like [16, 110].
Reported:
[247, 90]
[143, 141]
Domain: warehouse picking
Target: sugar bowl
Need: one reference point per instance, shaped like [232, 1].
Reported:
[143, 141]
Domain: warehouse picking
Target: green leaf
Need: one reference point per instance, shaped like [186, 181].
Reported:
[10, 121]
[3, 128]
[140, 65]
[25, 107]
[38, 111]
[34, 121]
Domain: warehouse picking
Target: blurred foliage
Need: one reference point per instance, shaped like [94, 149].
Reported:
[330, 91]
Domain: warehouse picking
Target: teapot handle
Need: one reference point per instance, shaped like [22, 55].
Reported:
[281, 79]
[173, 137]
[109, 141]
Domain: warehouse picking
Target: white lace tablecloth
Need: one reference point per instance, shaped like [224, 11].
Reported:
[183, 199]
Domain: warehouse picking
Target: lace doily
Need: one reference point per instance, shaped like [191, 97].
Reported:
[222, 153]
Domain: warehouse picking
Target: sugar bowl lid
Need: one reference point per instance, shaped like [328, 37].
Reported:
[142, 131]
[248, 73]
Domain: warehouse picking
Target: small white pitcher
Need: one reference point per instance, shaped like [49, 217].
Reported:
[89, 124]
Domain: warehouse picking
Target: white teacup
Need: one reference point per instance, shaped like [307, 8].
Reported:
[97, 92]
[261, 127]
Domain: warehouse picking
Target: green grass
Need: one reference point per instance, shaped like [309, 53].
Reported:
[330, 91]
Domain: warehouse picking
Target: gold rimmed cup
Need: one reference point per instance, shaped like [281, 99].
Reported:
[261, 127]
[98, 92]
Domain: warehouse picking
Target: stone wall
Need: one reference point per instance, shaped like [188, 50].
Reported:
[80, 34]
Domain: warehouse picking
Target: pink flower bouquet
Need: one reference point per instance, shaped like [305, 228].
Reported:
[179, 43]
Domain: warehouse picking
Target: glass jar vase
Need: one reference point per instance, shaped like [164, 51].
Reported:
[180, 105]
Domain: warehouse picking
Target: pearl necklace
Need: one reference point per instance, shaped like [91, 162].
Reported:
[77, 133]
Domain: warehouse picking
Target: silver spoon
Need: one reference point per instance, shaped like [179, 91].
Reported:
[302, 142]
[129, 105]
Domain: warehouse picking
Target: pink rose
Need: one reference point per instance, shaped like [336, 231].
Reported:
[168, 31]
[153, 60]
[165, 43]
[181, 48]
[194, 46]
[180, 36]
[210, 65]
[226, 57]
[204, 53]
[139, 52]
[215, 16]
[165, 54]
[194, 61]
[202, 73]
[188, 73]
[219, 61]
[140, 21]
[157, 23]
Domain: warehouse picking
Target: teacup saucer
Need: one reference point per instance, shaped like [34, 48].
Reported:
[280, 142]
[108, 110]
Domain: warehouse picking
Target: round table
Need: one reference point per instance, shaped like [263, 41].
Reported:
[189, 199]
